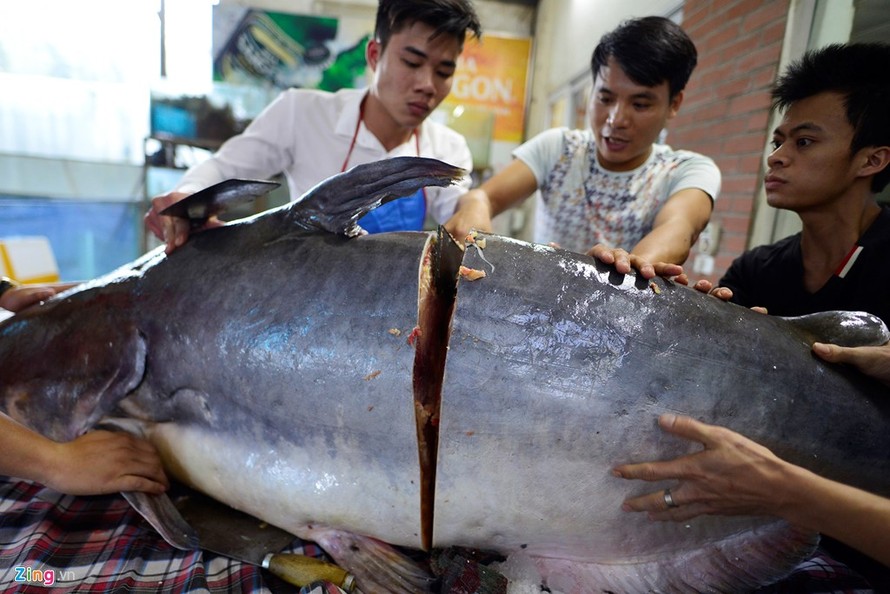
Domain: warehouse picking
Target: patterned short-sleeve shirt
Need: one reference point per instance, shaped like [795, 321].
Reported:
[582, 204]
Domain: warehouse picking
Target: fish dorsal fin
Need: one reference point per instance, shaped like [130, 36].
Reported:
[843, 328]
[336, 204]
[218, 198]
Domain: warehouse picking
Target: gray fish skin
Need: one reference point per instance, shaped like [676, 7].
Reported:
[574, 363]
[270, 362]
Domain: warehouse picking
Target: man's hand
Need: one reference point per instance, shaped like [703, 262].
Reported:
[473, 212]
[722, 293]
[102, 462]
[731, 475]
[870, 360]
[174, 231]
[18, 298]
[624, 262]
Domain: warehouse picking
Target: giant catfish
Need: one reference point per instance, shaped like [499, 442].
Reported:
[359, 389]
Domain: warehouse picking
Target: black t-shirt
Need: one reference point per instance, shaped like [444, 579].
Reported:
[771, 276]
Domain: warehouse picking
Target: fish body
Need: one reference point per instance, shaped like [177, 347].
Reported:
[334, 384]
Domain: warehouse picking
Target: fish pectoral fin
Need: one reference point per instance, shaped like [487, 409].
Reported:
[377, 566]
[336, 204]
[159, 511]
[843, 328]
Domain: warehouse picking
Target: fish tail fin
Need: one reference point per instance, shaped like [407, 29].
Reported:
[336, 204]
[843, 328]
[377, 566]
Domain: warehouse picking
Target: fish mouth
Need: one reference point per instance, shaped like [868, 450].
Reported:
[437, 291]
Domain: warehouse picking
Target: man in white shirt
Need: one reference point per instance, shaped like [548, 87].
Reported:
[311, 135]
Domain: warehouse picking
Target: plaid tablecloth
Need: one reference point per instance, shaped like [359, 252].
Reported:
[100, 544]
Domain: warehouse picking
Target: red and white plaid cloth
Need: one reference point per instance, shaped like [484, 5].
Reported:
[101, 544]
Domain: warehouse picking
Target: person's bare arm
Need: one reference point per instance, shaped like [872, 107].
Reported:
[677, 225]
[505, 189]
[733, 475]
[666, 247]
[96, 463]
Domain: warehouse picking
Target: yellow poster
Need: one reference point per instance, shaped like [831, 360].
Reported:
[492, 76]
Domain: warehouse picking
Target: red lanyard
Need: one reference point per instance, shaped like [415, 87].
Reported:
[361, 115]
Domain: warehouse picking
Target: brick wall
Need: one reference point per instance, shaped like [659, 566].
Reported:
[725, 113]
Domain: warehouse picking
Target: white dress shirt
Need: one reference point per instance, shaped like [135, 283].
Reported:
[306, 134]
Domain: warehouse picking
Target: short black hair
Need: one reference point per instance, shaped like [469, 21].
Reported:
[650, 50]
[860, 72]
[449, 17]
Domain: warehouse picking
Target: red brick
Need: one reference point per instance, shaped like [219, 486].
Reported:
[733, 88]
[714, 111]
[773, 33]
[735, 183]
[727, 126]
[735, 224]
[759, 122]
[763, 78]
[723, 205]
[738, 51]
[769, 12]
[743, 144]
[761, 55]
[734, 244]
[750, 102]
[727, 163]
[719, 37]
[695, 13]
[752, 162]
[745, 204]
[721, 263]
[743, 9]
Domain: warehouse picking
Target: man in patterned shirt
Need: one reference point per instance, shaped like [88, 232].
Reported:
[613, 191]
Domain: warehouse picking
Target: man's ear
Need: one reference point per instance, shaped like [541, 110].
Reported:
[372, 53]
[676, 102]
[876, 160]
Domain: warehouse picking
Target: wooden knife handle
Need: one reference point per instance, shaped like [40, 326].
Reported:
[301, 570]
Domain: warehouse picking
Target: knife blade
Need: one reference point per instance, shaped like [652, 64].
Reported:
[226, 531]
[218, 198]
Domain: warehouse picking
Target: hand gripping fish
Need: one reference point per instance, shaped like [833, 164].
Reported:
[358, 390]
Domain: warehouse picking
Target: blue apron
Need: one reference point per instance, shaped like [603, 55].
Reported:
[402, 214]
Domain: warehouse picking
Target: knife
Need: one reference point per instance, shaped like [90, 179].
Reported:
[240, 536]
[218, 198]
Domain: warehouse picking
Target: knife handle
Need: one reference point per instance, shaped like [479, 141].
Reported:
[301, 570]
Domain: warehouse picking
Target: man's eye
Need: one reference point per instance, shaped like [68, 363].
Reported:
[776, 144]
[410, 64]
[804, 141]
